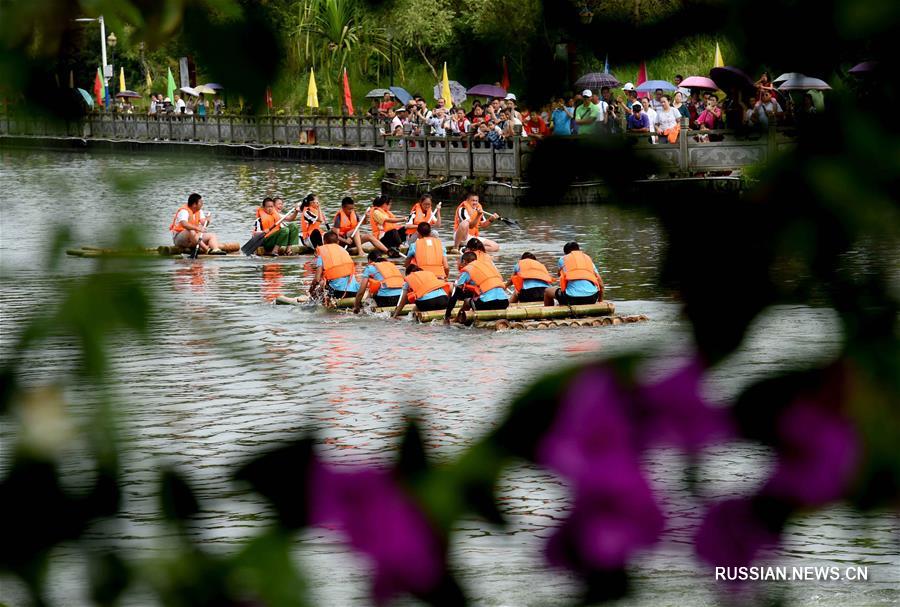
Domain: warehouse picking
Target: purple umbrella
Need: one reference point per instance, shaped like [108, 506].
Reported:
[699, 82]
[487, 90]
[729, 77]
[597, 80]
[130, 94]
[214, 85]
[864, 68]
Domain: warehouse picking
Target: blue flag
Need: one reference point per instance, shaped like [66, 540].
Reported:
[606, 64]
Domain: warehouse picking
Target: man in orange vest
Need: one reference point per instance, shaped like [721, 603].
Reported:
[479, 285]
[428, 253]
[344, 224]
[386, 226]
[335, 270]
[188, 226]
[579, 280]
[382, 280]
[468, 221]
[422, 211]
[530, 279]
[423, 288]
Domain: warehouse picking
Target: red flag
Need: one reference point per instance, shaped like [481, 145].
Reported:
[348, 98]
[269, 97]
[98, 89]
[641, 78]
[504, 82]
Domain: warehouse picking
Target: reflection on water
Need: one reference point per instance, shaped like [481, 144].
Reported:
[261, 372]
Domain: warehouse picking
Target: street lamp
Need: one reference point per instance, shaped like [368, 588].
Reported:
[107, 70]
[111, 40]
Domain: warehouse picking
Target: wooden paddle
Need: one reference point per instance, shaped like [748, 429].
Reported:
[196, 251]
[506, 220]
[255, 241]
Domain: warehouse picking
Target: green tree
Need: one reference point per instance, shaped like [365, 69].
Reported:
[425, 27]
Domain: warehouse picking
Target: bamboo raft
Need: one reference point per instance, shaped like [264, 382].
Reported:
[232, 250]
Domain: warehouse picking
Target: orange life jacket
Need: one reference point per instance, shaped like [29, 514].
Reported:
[430, 255]
[484, 275]
[577, 266]
[307, 226]
[419, 216]
[474, 214]
[529, 269]
[268, 220]
[193, 217]
[392, 279]
[379, 231]
[346, 224]
[422, 283]
[336, 261]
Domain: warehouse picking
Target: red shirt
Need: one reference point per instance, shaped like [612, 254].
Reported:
[384, 106]
[537, 126]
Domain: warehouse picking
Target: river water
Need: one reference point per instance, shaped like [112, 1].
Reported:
[262, 372]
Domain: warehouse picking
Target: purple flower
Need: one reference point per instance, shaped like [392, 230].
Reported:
[817, 456]
[382, 522]
[672, 412]
[731, 534]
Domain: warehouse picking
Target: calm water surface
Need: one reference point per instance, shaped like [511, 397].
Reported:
[262, 372]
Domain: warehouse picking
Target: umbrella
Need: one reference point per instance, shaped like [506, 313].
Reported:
[651, 85]
[457, 91]
[87, 97]
[377, 93]
[804, 83]
[129, 94]
[487, 90]
[214, 85]
[699, 82]
[401, 94]
[597, 80]
[787, 76]
[729, 77]
[205, 89]
[864, 68]
[189, 91]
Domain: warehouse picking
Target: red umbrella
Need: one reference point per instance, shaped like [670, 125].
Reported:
[699, 82]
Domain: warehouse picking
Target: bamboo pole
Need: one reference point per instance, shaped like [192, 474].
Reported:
[540, 312]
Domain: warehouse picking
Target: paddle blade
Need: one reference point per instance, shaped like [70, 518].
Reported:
[511, 222]
[251, 245]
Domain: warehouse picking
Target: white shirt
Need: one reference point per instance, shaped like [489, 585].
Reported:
[395, 122]
[179, 105]
[763, 110]
[665, 120]
[601, 117]
[182, 215]
[651, 114]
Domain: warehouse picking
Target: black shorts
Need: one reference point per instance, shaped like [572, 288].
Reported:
[386, 301]
[435, 303]
[532, 294]
[339, 294]
[393, 238]
[567, 300]
[497, 304]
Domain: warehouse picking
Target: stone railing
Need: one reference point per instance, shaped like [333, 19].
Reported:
[453, 157]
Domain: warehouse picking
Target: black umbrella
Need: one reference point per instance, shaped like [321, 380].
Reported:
[727, 78]
[597, 80]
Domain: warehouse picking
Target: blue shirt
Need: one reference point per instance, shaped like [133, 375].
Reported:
[578, 288]
[562, 122]
[490, 295]
[411, 252]
[344, 283]
[641, 122]
[372, 272]
[530, 283]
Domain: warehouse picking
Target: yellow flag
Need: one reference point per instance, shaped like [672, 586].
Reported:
[719, 62]
[121, 79]
[149, 81]
[312, 93]
[445, 88]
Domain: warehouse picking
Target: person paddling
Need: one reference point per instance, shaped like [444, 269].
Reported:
[345, 222]
[283, 236]
[189, 227]
[386, 226]
[424, 289]
[468, 221]
[479, 285]
[311, 220]
[427, 252]
[335, 271]
[579, 281]
[422, 211]
[530, 279]
[476, 246]
[382, 280]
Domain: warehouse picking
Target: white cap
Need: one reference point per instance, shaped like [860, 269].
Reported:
[628, 87]
[586, 93]
[510, 97]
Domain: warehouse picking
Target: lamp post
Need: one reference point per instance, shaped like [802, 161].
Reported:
[111, 41]
[107, 70]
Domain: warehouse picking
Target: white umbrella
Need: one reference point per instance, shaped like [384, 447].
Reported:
[788, 76]
[457, 91]
[189, 91]
[205, 89]
[804, 83]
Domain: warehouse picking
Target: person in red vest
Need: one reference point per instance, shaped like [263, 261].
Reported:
[422, 211]
[382, 280]
[335, 271]
[468, 221]
[530, 279]
[479, 285]
[579, 281]
[427, 252]
[189, 225]
[424, 289]
[344, 224]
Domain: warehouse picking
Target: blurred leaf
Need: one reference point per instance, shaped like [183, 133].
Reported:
[411, 461]
[265, 567]
[177, 499]
[109, 576]
[280, 475]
